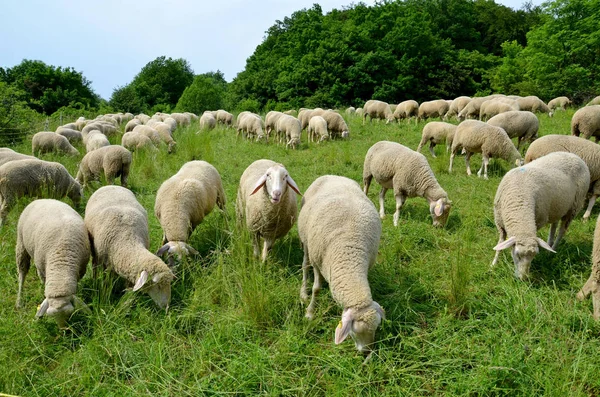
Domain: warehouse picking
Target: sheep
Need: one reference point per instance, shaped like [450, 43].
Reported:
[72, 135]
[34, 178]
[496, 106]
[394, 166]
[95, 139]
[47, 141]
[252, 125]
[114, 161]
[592, 285]
[471, 110]
[291, 112]
[68, 126]
[547, 190]
[164, 131]
[406, 110]
[340, 235]
[270, 120]
[377, 110]
[475, 136]
[436, 132]
[265, 202]
[80, 123]
[224, 117]
[131, 124]
[54, 236]
[118, 229]
[359, 112]
[393, 107]
[7, 155]
[588, 151]
[595, 101]
[533, 104]
[335, 124]
[172, 123]
[351, 111]
[456, 106]
[143, 118]
[207, 121]
[586, 122]
[134, 140]
[437, 108]
[182, 202]
[193, 117]
[150, 133]
[561, 102]
[305, 114]
[104, 127]
[523, 125]
[290, 127]
[182, 119]
[317, 128]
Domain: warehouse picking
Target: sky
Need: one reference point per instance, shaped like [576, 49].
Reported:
[110, 41]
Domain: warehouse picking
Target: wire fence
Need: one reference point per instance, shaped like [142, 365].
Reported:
[18, 132]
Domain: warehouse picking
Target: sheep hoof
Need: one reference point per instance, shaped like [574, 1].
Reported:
[309, 315]
[382, 216]
[580, 296]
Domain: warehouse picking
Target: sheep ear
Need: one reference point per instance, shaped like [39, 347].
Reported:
[156, 278]
[343, 329]
[379, 309]
[261, 182]
[43, 308]
[161, 251]
[506, 244]
[80, 304]
[293, 185]
[141, 280]
[438, 210]
[192, 249]
[544, 245]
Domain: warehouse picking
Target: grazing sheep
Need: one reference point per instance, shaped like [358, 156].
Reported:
[270, 120]
[207, 121]
[134, 140]
[131, 124]
[586, 122]
[150, 133]
[172, 123]
[336, 124]
[7, 155]
[475, 136]
[290, 127]
[359, 112]
[164, 131]
[523, 125]
[340, 235]
[250, 124]
[437, 108]
[408, 173]
[182, 202]
[406, 110]
[193, 117]
[588, 151]
[224, 117]
[377, 110]
[305, 114]
[595, 101]
[104, 127]
[317, 128]
[72, 135]
[592, 285]
[143, 118]
[561, 102]
[95, 139]
[533, 104]
[351, 111]
[118, 229]
[113, 160]
[436, 132]
[68, 126]
[47, 141]
[471, 110]
[182, 119]
[291, 112]
[456, 106]
[265, 202]
[496, 106]
[54, 236]
[547, 190]
[35, 178]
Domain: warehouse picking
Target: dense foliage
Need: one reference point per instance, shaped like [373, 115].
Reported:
[207, 92]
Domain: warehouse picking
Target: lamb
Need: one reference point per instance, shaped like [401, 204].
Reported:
[533, 104]
[475, 136]
[586, 122]
[265, 202]
[95, 139]
[118, 229]
[436, 132]
[561, 102]
[595, 101]
[252, 125]
[340, 234]
[113, 161]
[406, 110]
[182, 202]
[437, 108]
[7, 155]
[134, 141]
[588, 151]
[131, 124]
[523, 125]
[224, 117]
[317, 128]
[547, 190]
[34, 178]
[496, 106]
[335, 124]
[47, 141]
[290, 127]
[72, 135]
[207, 121]
[592, 285]
[457, 105]
[54, 236]
[408, 173]
[377, 110]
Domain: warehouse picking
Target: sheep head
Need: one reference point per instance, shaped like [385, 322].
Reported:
[159, 286]
[275, 180]
[440, 210]
[61, 308]
[176, 249]
[523, 251]
[361, 325]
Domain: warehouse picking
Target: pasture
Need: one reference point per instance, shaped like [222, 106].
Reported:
[236, 326]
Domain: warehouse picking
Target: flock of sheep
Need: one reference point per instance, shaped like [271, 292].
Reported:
[338, 225]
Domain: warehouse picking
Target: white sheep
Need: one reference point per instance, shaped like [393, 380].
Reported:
[377, 110]
[7, 155]
[224, 117]
[335, 124]
[47, 141]
[436, 108]
[35, 178]
[291, 112]
[95, 139]
[164, 131]
[523, 125]
[134, 141]
[317, 129]
[266, 203]
[54, 236]
[394, 166]
[359, 112]
[406, 110]
[547, 190]
[592, 285]
[437, 132]
[351, 110]
[182, 119]
[250, 124]
[340, 234]
[496, 106]
[305, 114]
[291, 128]
[131, 124]
[72, 135]
[207, 121]
[182, 202]
[475, 136]
[113, 160]
[118, 229]
[534, 104]
[456, 106]
[595, 101]
[471, 110]
[588, 151]
[561, 102]
[586, 122]
[172, 123]
[270, 120]
[150, 133]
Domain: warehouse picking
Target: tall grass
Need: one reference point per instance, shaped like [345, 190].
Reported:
[236, 326]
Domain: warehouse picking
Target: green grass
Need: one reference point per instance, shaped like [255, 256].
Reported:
[453, 327]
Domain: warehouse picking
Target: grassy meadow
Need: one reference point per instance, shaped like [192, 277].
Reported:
[236, 326]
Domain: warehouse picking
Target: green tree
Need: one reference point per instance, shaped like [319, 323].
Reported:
[207, 92]
[16, 118]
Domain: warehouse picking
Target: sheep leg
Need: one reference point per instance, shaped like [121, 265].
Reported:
[591, 287]
[367, 183]
[467, 162]
[564, 225]
[268, 243]
[484, 165]
[23, 263]
[305, 265]
[431, 146]
[588, 211]
[318, 282]
[501, 239]
[552, 233]
[5, 206]
[381, 198]
[399, 201]
[451, 161]
[256, 245]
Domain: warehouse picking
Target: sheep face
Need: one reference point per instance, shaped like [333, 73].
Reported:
[361, 325]
[58, 308]
[76, 193]
[275, 181]
[440, 210]
[159, 288]
[523, 251]
[345, 134]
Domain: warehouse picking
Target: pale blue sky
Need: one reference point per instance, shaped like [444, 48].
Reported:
[109, 41]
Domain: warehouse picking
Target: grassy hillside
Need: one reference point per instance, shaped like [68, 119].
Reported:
[453, 327]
